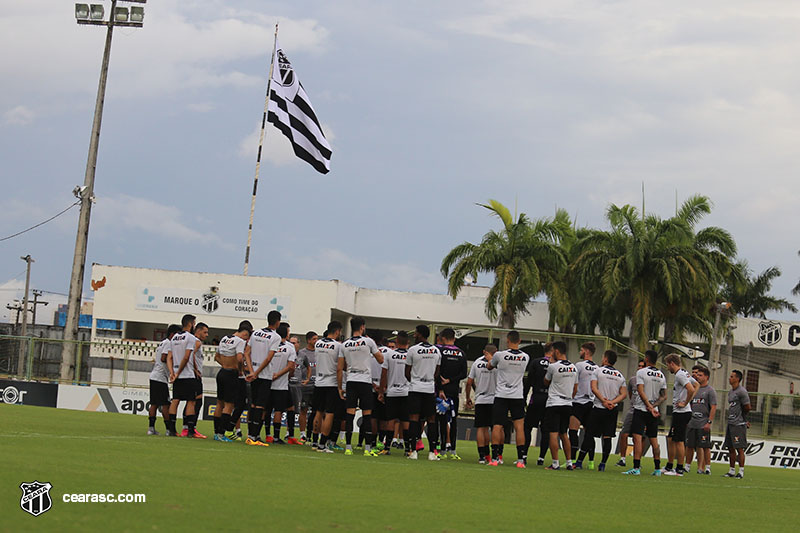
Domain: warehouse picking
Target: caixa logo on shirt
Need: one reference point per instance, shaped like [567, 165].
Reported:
[513, 357]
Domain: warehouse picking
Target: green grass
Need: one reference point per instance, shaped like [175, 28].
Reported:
[206, 485]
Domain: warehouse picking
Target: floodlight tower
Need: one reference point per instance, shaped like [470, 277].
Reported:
[92, 14]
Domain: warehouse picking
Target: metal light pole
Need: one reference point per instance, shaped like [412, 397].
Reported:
[23, 348]
[93, 15]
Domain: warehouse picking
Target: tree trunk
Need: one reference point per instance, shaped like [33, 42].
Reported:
[506, 322]
[670, 326]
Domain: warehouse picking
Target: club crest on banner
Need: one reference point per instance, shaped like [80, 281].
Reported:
[35, 497]
[769, 332]
[286, 73]
[211, 300]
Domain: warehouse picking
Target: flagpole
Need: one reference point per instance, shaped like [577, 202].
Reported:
[258, 157]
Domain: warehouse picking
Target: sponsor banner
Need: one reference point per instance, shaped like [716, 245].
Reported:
[28, 393]
[211, 302]
[104, 399]
[767, 334]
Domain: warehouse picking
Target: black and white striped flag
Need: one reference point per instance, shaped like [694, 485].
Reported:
[291, 112]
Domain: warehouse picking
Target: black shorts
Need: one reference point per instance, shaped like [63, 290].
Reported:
[556, 418]
[644, 424]
[325, 399]
[397, 408]
[260, 393]
[735, 437]
[602, 422]
[241, 394]
[502, 406]
[581, 411]
[184, 389]
[227, 386]
[159, 393]
[534, 417]
[359, 395]
[483, 415]
[680, 421]
[296, 395]
[698, 438]
[198, 387]
[308, 395]
[280, 399]
[340, 410]
[378, 408]
[422, 404]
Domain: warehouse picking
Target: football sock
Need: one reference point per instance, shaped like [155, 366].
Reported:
[453, 433]
[433, 436]
[573, 439]
[483, 451]
[521, 454]
[606, 450]
[254, 426]
[173, 420]
[225, 423]
[190, 423]
[237, 414]
[290, 424]
[152, 421]
[637, 463]
[216, 425]
[315, 438]
[669, 465]
[732, 470]
[198, 406]
[589, 444]
[276, 430]
[502, 447]
[348, 428]
[582, 456]
[495, 451]
[366, 430]
[542, 450]
[741, 470]
[657, 463]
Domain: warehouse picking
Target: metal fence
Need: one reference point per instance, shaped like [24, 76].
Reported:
[126, 363]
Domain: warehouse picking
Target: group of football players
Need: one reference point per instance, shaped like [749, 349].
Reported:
[405, 387]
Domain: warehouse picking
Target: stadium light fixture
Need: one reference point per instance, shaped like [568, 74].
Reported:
[137, 14]
[97, 11]
[81, 11]
[121, 14]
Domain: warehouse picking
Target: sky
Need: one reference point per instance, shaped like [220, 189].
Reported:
[430, 108]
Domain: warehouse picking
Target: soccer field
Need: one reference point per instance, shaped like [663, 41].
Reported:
[206, 485]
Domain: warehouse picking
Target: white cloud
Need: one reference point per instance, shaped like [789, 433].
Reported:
[183, 45]
[331, 263]
[124, 212]
[18, 116]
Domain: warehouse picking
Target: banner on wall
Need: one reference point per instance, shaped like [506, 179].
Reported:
[211, 301]
[28, 393]
[104, 399]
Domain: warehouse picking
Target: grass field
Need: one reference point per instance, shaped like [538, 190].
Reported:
[206, 485]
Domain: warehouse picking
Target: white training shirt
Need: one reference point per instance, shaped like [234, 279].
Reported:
[653, 381]
[327, 351]
[510, 366]
[178, 345]
[262, 342]
[586, 371]
[395, 364]
[484, 380]
[198, 359]
[283, 355]
[679, 392]
[231, 346]
[609, 381]
[375, 367]
[159, 372]
[423, 358]
[357, 351]
[562, 376]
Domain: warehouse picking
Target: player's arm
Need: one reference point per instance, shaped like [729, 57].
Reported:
[691, 390]
[467, 391]
[575, 389]
[436, 375]
[163, 357]
[711, 414]
[623, 393]
[290, 366]
[384, 379]
[643, 396]
[339, 375]
[169, 366]
[264, 363]
[378, 356]
[662, 397]
[184, 361]
[197, 346]
[248, 363]
[307, 368]
[408, 368]
[605, 401]
[526, 381]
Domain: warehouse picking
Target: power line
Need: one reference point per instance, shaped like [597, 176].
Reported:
[41, 223]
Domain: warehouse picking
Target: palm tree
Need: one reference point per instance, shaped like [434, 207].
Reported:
[702, 276]
[641, 261]
[750, 295]
[523, 256]
[796, 290]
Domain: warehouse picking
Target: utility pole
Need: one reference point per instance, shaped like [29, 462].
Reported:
[36, 303]
[17, 306]
[715, 345]
[23, 346]
[85, 15]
